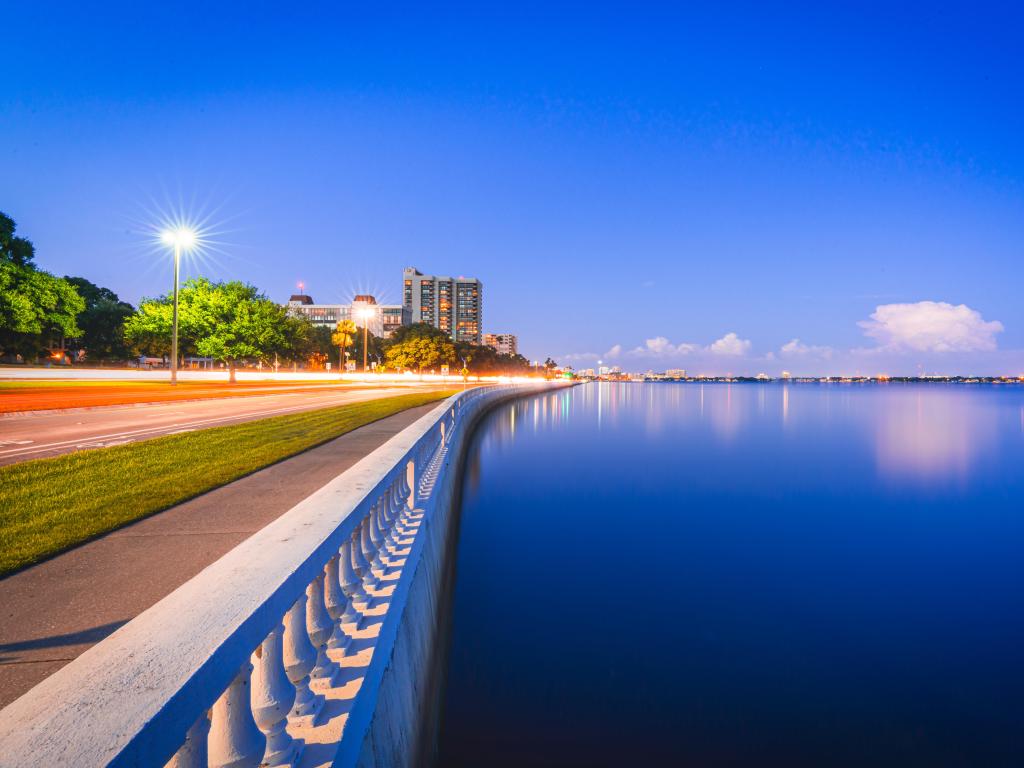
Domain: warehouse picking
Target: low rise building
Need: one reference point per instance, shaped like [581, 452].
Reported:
[502, 343]
[383, 319]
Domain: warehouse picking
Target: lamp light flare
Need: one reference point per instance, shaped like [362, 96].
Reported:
[182, 237]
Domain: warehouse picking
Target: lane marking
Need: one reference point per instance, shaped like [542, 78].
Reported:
[349, 397]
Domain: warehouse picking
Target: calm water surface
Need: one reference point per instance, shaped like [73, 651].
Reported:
[685, 574]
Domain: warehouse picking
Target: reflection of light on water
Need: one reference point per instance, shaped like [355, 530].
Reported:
[725, 420]
[934, 437]
[785, 403]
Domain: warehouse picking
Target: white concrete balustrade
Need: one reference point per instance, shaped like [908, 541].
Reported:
[273, 655]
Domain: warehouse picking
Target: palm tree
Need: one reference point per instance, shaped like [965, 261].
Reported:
[342, 338]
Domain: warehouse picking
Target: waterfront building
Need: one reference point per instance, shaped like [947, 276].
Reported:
[384, 319]
[676, 373]
[502, 343]
[452, 304]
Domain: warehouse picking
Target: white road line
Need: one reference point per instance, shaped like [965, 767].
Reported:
[155, 431]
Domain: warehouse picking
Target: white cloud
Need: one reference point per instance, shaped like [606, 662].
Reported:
[659, 346]
[931, 326]
[592, 357]
[730, 344]
[797, 348]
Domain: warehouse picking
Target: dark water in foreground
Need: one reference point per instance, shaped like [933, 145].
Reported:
[802, 575]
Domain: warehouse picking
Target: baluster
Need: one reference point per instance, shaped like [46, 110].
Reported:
[320, 626]
[397, 532]
[193, 753]
[369, 553]
[376, 532]
[336, 603]
[410, 482]
[299, 660]
[392, 520]
[235, 741]
[273, 697]
[366, 547]
[351, 585]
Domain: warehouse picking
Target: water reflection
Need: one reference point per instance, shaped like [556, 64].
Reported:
[924, 433]
[714, 574]
[933, 435]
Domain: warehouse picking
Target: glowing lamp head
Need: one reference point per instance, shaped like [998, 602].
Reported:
[181, 237]
[365, 314]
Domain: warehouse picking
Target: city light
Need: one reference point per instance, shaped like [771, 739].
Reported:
[365, 314]
[182, 237]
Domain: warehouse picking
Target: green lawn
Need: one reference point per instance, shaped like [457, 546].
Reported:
[49, 505]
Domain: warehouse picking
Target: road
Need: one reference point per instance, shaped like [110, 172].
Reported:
[34, 436]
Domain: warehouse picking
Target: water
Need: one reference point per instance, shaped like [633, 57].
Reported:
[716, 575]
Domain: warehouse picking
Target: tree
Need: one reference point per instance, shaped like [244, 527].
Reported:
[317, 343]
[35, 306]
[417, 331]
[16, 250]
[102, 322]
[420, 352]
[342, 338]
[226, 321]
[375, 347]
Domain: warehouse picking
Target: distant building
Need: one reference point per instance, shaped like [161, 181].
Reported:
[452, 304]
[502, 343]
[786, 375]
[383, 321]
[676, 373]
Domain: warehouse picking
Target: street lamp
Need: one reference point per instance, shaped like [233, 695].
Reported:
[365, 314]
[180, 238]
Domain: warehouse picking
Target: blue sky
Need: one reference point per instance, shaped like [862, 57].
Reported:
[839, 188]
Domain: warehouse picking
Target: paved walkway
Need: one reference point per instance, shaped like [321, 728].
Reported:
[52, 612]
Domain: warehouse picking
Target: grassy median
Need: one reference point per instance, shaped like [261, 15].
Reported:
[49, 505]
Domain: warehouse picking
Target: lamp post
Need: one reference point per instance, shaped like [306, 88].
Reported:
[180, 238]
[365, 314]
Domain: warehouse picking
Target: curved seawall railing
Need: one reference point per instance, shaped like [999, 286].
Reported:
[303, 646]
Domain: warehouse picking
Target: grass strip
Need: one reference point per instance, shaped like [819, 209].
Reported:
[50, 505]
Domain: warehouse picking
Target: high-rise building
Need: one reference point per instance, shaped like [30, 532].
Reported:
[383, 318]
[453, 304]
[502, 343]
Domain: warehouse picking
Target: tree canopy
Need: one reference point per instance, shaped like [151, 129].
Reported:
[227, 321]
[419, 352]
[102, 322]
[36, 308]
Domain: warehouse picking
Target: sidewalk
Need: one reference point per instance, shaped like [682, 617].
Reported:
[54, 611]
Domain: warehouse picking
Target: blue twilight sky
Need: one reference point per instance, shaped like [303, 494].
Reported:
[743, 187]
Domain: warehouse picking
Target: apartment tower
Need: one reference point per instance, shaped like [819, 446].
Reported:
[453, 304]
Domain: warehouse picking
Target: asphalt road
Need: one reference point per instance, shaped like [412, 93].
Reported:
[38, 435]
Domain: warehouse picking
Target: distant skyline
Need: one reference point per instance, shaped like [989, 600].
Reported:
[726, 190]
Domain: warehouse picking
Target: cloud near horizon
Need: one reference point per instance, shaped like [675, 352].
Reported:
[931, 326]
[796, 348]
[903, 332]
[730, 344]
[659, 346]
